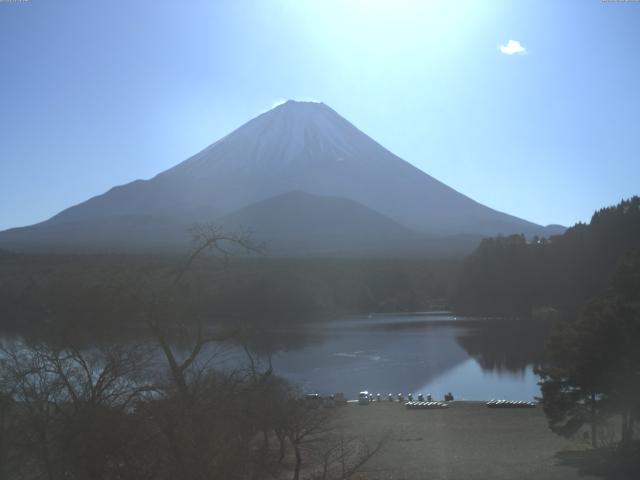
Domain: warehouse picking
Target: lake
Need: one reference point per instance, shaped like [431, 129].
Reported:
[432, 352]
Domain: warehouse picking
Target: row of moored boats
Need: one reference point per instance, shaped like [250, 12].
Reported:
[425, 405]
[510, 404]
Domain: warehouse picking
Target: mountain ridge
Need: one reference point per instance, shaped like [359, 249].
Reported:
[297, 146]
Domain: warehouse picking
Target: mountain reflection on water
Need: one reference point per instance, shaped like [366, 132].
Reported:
[431, 352]
[506, 345]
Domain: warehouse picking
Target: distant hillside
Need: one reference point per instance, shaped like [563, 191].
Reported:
[299, 223]
[510, 274]
[123, 233]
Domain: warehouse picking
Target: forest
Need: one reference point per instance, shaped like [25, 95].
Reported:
[513, 275]
[38, 291]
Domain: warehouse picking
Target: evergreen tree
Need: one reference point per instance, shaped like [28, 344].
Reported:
[593, 370]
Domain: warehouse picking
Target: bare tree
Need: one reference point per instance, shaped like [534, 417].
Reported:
[37, 393]
[112, 376]
[70, 406]
[207, 239]
[304, 425]
[6, 407]
[340, 457]
[200, 439]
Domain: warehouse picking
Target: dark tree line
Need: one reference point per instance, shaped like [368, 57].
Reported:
[507, 275]
[99, 292]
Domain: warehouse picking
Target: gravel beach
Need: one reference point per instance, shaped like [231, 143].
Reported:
[465, 441]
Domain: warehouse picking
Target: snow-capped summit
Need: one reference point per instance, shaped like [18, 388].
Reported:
[292, 132]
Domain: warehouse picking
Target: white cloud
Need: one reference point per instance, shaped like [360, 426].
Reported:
[512, 47]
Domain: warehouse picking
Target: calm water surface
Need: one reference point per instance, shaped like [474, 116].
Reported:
[435, 352]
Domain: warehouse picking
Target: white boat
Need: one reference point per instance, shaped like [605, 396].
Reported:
[363, 398]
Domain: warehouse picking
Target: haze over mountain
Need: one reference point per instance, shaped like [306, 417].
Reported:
[297, 222]
[335, 189]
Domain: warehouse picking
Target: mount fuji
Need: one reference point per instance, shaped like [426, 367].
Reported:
[299, 175]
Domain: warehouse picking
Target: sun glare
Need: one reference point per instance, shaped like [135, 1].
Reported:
[378, 28]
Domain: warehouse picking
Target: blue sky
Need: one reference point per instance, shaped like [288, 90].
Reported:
[98, 93]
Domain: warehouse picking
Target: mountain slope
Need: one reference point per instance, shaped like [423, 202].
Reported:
[117, 233]
[298, 222]
[297, 146]
[293, 223]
